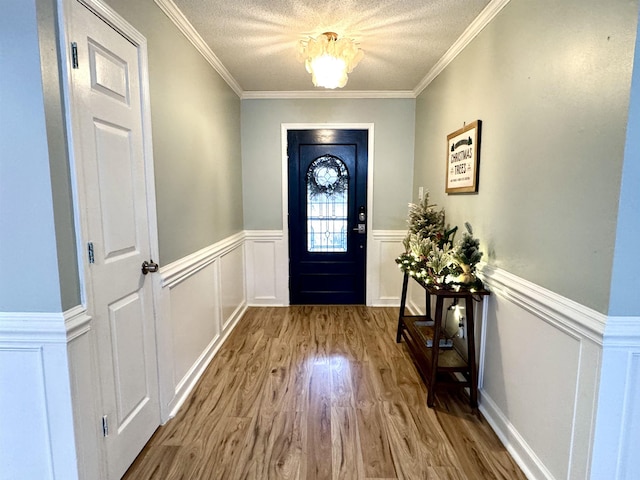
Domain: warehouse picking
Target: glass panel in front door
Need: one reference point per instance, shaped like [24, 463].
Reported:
[327, 186]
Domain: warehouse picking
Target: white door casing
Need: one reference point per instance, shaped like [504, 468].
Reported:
[109, 154]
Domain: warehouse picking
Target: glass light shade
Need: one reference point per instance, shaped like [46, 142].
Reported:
[329, 60]
[328, 72]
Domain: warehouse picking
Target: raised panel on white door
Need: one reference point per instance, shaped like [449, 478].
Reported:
[115, 181]
[109, 73]
[127, 338]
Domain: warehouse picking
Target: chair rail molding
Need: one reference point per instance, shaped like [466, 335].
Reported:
[177, 271]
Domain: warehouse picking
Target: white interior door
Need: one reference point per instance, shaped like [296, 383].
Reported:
[109, 153]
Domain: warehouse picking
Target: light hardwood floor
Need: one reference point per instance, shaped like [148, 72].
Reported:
[320, 392]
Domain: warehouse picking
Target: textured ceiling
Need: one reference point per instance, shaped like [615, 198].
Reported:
[256, 40]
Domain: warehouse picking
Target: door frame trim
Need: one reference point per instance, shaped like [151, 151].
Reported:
[369, 127]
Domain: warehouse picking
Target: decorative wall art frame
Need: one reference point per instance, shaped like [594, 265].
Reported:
[463, 159]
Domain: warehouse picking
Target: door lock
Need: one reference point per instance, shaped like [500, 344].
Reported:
[361, 228]
[362, 216]
[149, 267]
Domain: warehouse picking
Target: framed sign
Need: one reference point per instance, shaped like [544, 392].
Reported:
[463, 158]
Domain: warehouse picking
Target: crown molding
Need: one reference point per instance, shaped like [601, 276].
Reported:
[325, 94]
[177, 17]
[472, 31]
[180, 21]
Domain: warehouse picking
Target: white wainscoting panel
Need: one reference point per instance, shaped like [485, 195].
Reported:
[203, 297]
[541, 358]
[36, 416]
[24, 407]
[629, 460]
[232, 285]
[384, 279]
[615, 449]
[267, 268]
[195, 318]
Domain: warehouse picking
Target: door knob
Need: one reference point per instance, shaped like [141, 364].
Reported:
[149, 267]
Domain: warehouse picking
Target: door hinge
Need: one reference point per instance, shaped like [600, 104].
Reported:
[74, 55]
[105, 426]
[92, 258]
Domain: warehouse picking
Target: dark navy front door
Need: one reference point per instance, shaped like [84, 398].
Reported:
[327, 216]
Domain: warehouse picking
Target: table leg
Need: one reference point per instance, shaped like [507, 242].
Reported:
[435, 351]
[471, 349]
[403, 302]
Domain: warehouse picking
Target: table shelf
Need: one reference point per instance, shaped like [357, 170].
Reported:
[440, 367]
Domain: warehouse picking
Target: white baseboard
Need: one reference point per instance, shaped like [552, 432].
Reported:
[515, 444]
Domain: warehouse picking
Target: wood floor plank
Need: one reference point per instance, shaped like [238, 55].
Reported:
[350, 345]
[364, 390]
[346, 456]
[376, 453]
[445, 473]
[341, 382]
[272, 450]
[385, 380]
[408, 379]
[246, 399]
[154, 463]
[431, 432]
[482, 453]
[319, 446]
[216, 455]
[320, 392]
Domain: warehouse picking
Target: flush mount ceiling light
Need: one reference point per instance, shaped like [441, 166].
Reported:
[329, 60]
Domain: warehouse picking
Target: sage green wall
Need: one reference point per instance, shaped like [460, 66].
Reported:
[58, 155]
[29, 276]
[196, 138]
[393, 121]
[550, 81]
[39, 267]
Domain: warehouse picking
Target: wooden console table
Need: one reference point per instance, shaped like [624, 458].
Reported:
[440, 367]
